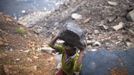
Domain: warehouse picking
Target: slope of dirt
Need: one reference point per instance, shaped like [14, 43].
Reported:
[19, 54]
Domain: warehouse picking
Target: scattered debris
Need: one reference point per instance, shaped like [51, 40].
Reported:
[129, 44]
[93, 50]
[31, 19]
[87, 20]
[97, 43]
[131, 31]
[26, 51]
[90, 42]
[17, 59]
[130, 16]
[29, 59]
[76, 16]
[1, 41]
[38, 30]
[111, 18]
[23, 11]
[46, 49]
[96, 31]
[11, 49]
[105, 27]
[50, 59]
[34, 68]
[119, 26]
[112, 3]
[35, 57]
[9, 19]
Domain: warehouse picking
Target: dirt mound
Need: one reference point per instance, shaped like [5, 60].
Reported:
[19, 53]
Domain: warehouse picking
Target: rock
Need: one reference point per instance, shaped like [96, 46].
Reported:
[26, 51]
[35, 57]
[119, 26]
[93, 50]
[6, 44]
[131, 31]
[11, 49]
[129, 44]
[17, 59]
[96, 31]
[111, 19]
[90, 42]
[46, 49]
[73, 34]
[38, 30]
[105, 27]
[9, 19]
[112, 3]
[1, 42]
[50, 59]
[102, 24]
[29, 59]
[97, 43]
[87, 20]
[76, 16]
[130, 16]
[33, 68]
[23, 11]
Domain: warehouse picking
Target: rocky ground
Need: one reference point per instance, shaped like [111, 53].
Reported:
[108, 23]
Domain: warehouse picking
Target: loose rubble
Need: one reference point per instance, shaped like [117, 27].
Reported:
[130, 16]
[112, 3]
[119, 26]
[97, 43]
[76, 16]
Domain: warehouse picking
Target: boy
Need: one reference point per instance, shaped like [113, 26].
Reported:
[71, 60]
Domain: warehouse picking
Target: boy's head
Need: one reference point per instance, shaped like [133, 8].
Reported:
[70, 50]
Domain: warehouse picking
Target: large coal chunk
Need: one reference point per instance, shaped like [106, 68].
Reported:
[103, 62]
[73, 35]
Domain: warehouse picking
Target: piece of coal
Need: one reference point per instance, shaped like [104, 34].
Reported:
[73, 35]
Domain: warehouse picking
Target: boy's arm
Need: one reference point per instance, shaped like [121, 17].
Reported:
[57, 48]
[52, 43]
[78, 63]
[81, 54]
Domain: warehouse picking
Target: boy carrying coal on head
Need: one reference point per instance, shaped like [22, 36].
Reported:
[71, 59]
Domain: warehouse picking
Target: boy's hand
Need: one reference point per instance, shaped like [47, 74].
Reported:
[77, 73]
[54, 51]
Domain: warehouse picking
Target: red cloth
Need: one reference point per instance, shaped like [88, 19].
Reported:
[60, 72]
